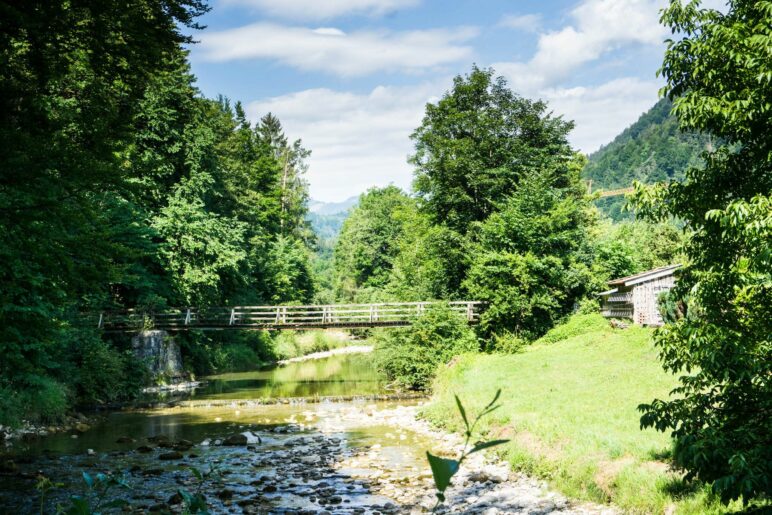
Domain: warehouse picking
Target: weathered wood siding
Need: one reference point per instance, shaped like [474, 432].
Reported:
[645, 295]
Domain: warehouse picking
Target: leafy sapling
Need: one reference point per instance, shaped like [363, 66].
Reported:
[97, 498]
[444, 469]
[194, 503]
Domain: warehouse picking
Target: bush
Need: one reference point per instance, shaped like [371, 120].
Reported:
[105, 374]
[39, 399]
[209, 353]
[574, 326]
[507, 343]
[410, 357]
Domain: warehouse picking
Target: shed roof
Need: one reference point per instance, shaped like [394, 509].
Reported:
[648, 275]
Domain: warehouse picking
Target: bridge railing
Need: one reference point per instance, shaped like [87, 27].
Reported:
[284, 317]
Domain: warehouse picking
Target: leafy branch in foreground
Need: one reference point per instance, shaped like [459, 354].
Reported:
[443, 469]
[98, 487]
[195, 503]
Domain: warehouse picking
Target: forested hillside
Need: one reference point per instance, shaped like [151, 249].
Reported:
[650, 150]
[121, 186]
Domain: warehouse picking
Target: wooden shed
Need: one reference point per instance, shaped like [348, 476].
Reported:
[635, 296]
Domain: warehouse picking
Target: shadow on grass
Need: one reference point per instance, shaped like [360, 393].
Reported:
[665, 455]
[679, 488]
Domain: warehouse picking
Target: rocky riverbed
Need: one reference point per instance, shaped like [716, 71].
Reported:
[327, 458]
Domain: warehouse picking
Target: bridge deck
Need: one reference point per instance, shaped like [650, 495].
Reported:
[269, 318]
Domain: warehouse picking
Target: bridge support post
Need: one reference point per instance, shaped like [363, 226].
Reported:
[233, 317]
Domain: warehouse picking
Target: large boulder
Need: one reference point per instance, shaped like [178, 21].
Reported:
[160, 352]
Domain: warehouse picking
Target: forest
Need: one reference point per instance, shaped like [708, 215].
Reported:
[123, 187]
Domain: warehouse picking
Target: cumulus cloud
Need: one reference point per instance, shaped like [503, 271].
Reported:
[524, 22]
[599, 26]
[601, 112]
[357, 140]
[363, 140]
[324, 9]
[328, 49]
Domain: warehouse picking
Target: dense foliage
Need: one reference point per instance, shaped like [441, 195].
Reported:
[411, 356]
[531, 261]
[718, 69]
[475, 145]
[120, 186]
[650, 150]
[368, 243]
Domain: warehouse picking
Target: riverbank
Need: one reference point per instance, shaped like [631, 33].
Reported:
[569, 407]
[345, 458]
[338, 351]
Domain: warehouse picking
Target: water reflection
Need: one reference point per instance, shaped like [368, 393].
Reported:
[351, 374]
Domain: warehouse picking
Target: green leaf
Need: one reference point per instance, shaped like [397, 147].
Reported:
[116, 503]
[463, 412]
[78, 506]
[196, 472]
[487, 445]
[443, 470]
[88, 479]
[495, 398]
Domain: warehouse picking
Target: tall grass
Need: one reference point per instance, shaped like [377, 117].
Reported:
[569, 408]
[293, 344]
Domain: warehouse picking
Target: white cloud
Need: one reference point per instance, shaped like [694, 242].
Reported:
[362, 140]
[603, 111]
[357, 140]
[524, 22]
[324, 9]
[331, 50]
[600, 26]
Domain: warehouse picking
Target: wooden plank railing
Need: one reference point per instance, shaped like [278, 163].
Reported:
[283, 317]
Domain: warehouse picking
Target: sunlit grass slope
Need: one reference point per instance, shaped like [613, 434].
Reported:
[569, 407]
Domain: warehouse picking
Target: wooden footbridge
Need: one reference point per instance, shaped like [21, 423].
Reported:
[270, 318]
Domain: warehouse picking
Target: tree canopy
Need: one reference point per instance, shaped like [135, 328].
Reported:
[122, 187]
[718, 68]
[476, 143]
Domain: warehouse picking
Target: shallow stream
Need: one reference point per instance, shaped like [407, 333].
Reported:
[306, 453]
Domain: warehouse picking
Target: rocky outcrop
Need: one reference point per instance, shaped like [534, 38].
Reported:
[161, 354]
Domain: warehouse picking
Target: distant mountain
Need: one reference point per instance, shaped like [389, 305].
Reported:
[327, 218]
[650, 150]
[331, 208]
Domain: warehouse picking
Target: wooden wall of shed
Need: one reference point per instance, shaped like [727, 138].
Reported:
[645, 305]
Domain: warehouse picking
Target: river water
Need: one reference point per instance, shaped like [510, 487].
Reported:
[305, 453]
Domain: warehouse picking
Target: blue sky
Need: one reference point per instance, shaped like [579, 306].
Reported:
[352, 77]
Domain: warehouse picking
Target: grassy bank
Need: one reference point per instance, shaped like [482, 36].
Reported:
[237, 352]
[293, 344]
[569, 407]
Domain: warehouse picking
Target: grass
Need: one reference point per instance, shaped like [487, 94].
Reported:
[569, 408]
[292, 344]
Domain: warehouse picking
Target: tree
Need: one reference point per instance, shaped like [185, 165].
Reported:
[72, 78]
[293, 185]
[474, 146]
[718, 68]
[531, 260]
[431, 260]
[369, 242]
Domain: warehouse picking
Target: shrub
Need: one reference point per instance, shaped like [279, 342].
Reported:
[574, 326]
[209, 353]
[507, 343]
[40, 399]
[410, 357]
[106, 374]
